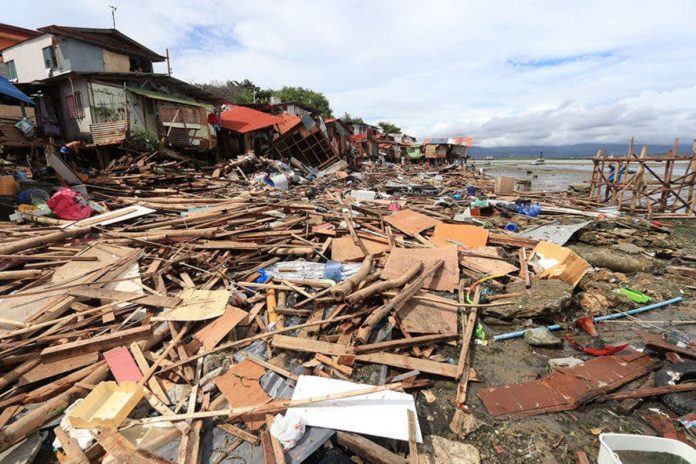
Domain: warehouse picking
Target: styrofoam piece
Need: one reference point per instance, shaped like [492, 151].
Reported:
[381, 414]
[611, 442]
[106, 406]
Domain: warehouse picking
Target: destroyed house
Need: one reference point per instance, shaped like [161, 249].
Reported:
[97, 85]
[339, 135]
[15, 108]
[283, 135]
[447, 148]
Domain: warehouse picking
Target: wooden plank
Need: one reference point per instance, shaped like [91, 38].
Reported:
[463, 362]
[412, 441]
[368, 450]
[90, 345]
[409, 363]
[275, 444]
[72, 450]
[152, 383]
[124, 452]
[155, 301]
[308, 346]
[237, 432]
[216, 330]
[405, 342]
[48, 369]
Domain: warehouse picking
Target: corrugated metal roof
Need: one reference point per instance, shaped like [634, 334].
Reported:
[288, 122]
[9, 91]
[166, 97]
[111, 39]
[242, 119]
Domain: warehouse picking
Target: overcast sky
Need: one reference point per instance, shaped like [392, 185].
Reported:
[505, 72]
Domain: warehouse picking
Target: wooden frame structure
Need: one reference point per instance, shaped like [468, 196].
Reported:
[633, 183]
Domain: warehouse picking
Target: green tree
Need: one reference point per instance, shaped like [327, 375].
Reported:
[348, 120]
[389, 128]
[315, 100]
[240, 92]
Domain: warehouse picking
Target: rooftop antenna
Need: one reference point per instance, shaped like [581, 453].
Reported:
[113, 14]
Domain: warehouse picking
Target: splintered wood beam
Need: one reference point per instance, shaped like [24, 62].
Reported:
[405, 342]
[100, 343]
[367, 449]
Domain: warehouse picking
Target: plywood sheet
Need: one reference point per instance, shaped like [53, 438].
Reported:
[411, 222]
[487, 266]
[240, 386]
[425, 317]
[215, 331]
[343, 249]
[197, 305]
[48, 369]
[469, 235]
[22, 308]
[402, 259]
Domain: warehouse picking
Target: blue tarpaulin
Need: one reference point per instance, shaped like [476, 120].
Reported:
[7, 90]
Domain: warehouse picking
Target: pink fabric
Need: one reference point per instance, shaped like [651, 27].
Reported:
[69, 204]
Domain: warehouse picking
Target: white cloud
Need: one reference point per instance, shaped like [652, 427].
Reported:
[505, 72]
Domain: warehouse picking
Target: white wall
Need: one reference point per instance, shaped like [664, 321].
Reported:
[28, 58]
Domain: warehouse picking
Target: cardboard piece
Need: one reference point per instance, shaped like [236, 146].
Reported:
[343, 249]
[411, 222]
[402, 259]
[382, 414]
[558, 262]
[469, 235]
[425, 317]
[197, 305]
[240, 386]
[122, 365]
[504, 185]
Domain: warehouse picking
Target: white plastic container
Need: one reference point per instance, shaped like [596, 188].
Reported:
[612, 442]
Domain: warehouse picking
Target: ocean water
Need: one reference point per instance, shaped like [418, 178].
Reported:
[555, 175]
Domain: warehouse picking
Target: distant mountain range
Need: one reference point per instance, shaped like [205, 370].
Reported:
[578, 150]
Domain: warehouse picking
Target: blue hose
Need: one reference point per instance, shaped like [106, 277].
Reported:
[630, 312]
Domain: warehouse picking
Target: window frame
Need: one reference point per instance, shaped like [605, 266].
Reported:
[11, 68]
[51, 55]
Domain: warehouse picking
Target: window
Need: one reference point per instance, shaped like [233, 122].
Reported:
[49, 56]
[11, 70]
[74, 104]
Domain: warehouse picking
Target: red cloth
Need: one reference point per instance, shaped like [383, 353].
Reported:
[69, 204]
[212, 119]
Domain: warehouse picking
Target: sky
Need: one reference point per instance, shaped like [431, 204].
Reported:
[505, 72]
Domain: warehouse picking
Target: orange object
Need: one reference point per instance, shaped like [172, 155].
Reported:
[8, 186]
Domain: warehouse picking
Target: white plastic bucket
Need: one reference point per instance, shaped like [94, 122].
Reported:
[612, 442]
[280, 181]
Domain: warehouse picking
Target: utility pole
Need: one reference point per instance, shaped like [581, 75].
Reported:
[113, 14]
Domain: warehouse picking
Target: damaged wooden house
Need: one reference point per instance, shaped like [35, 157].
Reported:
[98, 86]
[282, 135]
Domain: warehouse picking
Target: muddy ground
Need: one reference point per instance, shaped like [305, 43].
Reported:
[553, 438]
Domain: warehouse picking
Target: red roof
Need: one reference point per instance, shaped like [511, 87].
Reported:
[359, 137]
[287, 122]
[242, 119]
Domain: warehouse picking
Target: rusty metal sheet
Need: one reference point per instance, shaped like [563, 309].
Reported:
[567, 388]
[108, 133]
